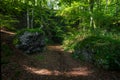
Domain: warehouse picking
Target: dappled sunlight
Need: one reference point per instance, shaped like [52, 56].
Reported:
[55, 48]
[59, 64]
[81, 71]
[41, 71]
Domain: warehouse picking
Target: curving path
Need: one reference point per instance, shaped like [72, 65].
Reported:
[53, 64]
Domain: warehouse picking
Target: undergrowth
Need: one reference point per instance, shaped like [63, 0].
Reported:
[104, 45]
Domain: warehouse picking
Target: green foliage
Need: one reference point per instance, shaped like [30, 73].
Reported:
[71, 39]
[57, 34]
[30, 30]
[16, 41]
[35, 30]
[73, 14]
[6, 21]
[104, 45]
[106, 51]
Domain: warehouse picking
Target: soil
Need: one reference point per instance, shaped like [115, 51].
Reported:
[53, 64]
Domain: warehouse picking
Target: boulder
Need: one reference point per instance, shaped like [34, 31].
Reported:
[31, 42]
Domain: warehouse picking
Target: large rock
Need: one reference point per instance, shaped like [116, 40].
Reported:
[31, 42]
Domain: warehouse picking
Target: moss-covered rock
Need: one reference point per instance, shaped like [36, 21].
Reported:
[30, 40]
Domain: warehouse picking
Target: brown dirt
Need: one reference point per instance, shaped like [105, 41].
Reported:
[56, 64]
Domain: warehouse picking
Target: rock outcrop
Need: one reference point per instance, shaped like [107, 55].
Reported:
[31, 42]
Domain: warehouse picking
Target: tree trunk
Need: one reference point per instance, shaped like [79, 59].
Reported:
[32, 18]
[117, 11]
[106, 5]
[91, 13]
[28, 24]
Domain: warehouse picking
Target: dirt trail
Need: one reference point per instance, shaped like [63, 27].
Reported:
[55, 65]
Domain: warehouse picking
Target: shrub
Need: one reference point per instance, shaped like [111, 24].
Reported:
[105, 51]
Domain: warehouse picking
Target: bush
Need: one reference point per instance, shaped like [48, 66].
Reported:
[105, 51]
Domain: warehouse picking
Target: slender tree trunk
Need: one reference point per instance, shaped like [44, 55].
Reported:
[32, 18]
[98, 4]
[117, 6]
[92, 22]
[41, 25]
[28, 24]
[91, 12]
[106, 6]
[117, 11]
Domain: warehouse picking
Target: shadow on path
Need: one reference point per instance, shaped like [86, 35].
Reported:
[56, 65]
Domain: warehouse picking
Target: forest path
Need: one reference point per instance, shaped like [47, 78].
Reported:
[53, 64]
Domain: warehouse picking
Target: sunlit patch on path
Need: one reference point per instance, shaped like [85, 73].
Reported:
[75, 72]
[57, 62]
